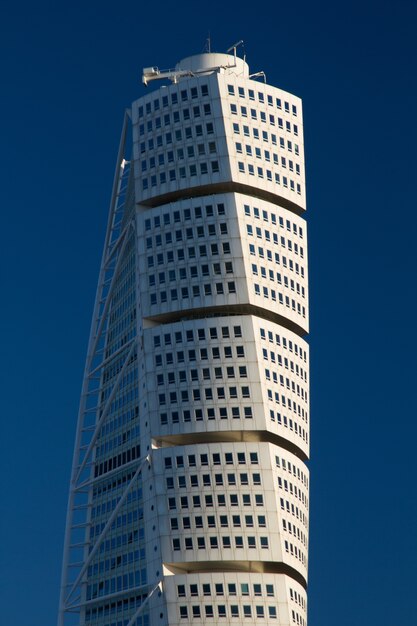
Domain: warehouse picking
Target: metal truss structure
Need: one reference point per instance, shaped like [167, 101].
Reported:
[79, 551]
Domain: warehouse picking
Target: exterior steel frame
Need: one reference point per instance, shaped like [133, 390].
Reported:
[78, 553]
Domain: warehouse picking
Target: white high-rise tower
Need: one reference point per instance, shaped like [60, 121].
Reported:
[189, 492]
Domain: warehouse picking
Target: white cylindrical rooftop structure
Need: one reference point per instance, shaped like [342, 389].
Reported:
[211, 61]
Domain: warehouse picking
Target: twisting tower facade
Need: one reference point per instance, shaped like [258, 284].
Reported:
[189, 491]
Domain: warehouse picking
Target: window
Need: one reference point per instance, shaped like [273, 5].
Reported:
[188, 543]
[270, 590]
[226, 542]
[201, 544]
[181, 591]
[176, 544]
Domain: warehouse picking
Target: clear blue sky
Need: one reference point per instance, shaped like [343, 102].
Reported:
[67, 72]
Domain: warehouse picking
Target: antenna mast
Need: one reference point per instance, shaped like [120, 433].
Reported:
[207, 45]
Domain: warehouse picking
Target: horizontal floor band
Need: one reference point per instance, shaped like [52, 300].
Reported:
[225, 187]
[229, 309]
[256, 567]
[228, 436]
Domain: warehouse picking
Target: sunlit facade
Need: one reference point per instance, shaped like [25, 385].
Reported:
[189, 491]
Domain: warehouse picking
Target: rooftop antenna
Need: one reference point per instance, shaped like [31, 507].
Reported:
[235, 45]
[258, 75]
[207, 45]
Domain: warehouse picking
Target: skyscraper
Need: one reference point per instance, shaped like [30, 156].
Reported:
[189, 491]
